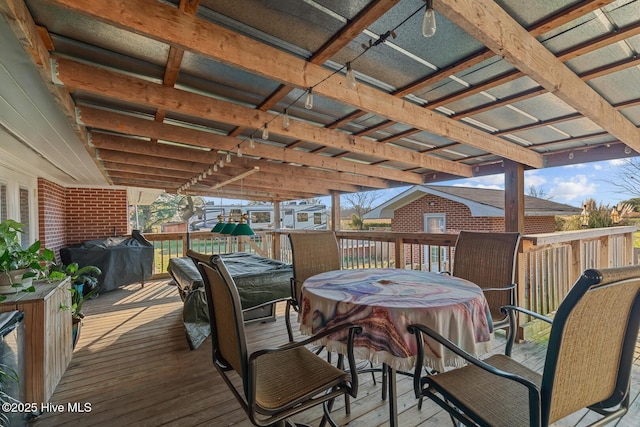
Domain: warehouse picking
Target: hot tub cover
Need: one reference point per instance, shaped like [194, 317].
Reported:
[258, 279]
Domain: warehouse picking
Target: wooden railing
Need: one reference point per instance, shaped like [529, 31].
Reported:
[548, 264]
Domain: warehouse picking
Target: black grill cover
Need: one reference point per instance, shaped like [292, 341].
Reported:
[122, 260]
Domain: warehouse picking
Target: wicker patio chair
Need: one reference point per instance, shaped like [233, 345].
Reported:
[276, 383]
[312, 253]
[489, 260]
[587, 364]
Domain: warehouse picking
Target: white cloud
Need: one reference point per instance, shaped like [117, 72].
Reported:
[533, 178]
[617, 162]
[576, 188]
[490, 181]
[576, 166]
[598, 167]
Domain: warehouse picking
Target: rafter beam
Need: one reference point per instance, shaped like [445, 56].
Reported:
[490, 24]
[167, 25]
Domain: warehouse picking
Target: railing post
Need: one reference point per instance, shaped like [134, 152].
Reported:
[275, 246]
[399, 255]
[576, 265]
[184, 245]
[605, 256]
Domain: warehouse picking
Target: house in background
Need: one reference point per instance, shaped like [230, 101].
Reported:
[443, 209]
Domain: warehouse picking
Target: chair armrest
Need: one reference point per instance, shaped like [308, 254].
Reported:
[418, 330]
[273, 301]
[446, 272]
[506, 288]
[509, 309]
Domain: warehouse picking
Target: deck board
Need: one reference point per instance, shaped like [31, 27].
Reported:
[133, 364]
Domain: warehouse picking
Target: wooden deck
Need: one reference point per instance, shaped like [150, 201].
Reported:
[132, 366]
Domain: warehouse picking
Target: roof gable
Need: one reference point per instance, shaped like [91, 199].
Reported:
[480, 201]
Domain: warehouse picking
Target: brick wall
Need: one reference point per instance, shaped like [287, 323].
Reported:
[51, 214]
[73, 215]
[410, 218]
[95, 213]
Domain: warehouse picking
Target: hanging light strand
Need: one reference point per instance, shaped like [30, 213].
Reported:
[308, 94]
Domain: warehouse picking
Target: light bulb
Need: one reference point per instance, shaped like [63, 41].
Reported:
[351, 79]
[215, 168]
[239, 151]
[285, 119]
[228, 158]
[221, 163]
[429, 21]
[308, 102]
[265, 132]
[252, 143]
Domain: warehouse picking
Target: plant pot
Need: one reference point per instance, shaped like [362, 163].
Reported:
[75, 330]
[15, 277]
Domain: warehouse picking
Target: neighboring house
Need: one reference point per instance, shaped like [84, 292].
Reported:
[439, 209]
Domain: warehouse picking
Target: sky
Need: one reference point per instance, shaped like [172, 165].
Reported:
[571, 185]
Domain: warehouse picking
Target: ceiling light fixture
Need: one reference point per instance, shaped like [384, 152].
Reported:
[265, 131]
[239, 151]
[350, 77]
[285, 119]
[308, 102]
[228, 158]
[252, 143]
[429, 20]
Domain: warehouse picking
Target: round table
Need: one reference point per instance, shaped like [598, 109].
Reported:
[385, 301]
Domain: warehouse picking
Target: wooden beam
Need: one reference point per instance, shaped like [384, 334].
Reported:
[165, 24]
[490, 24]
[236, 178]
[116, 85]
[108, 120]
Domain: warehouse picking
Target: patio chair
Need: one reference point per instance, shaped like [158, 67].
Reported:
[312, 253]
[488, 259]
[276, 383]
[587, 365]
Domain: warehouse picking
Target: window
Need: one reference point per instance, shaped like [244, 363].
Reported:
[435, 257]
[260, 217]
[3, 202]
[317, 218]
[25, 236]
[302, 217]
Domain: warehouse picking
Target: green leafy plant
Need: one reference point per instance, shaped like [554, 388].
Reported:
[81, 277]
[33, 259]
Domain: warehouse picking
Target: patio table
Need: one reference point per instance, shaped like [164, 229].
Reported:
[384, 302]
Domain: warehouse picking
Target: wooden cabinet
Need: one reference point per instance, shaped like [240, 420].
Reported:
[47, 339]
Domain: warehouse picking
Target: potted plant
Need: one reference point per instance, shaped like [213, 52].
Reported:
[84, 285]
[17, 265]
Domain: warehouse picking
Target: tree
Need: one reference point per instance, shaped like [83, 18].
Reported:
[162, 210]
[627, 177]
[538, 192]
[361, 203]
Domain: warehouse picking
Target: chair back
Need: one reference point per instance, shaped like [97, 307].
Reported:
[488, 259]
[197, 257]
[592, 343]
[312, 253]
[228, 339]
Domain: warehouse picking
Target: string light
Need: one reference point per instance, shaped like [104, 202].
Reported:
[308, 102]
[429, 20]
[215, 168]
[428, 27]
[351, 79]
[221, 163]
